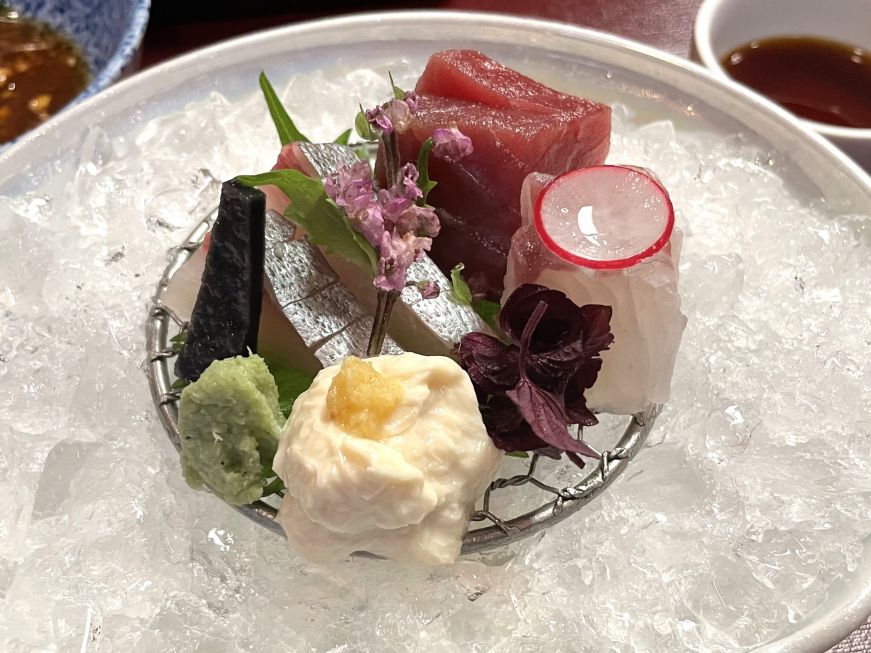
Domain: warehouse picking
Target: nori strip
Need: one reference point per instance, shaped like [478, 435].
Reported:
[226, 316]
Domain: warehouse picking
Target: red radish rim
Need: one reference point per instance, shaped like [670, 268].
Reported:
[610, 264]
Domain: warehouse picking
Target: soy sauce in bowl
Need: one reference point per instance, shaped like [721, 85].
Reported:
[40, 72]
[815, 78]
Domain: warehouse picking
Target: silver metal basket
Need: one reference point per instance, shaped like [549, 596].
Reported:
[163, 324]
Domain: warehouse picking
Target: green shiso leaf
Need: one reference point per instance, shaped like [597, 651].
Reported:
[362, 126]
[398, 93]
[291, 383]
[461, 293]
[179, 384]
[287, 131]
[423, 181]
[325, 223]
[344, 137]
[489, 312]
[178, 340]
[276, 485]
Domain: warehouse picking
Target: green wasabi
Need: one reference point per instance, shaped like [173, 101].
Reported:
[229, 421]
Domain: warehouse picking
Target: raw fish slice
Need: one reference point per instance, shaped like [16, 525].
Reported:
[226, 316]
[431, 327]
[327, 318]
[508, 145]
[479, 195]
[529, 192]
[472, 76]
[181, 292]
[323, 159]
[646, 322]
[443, 321]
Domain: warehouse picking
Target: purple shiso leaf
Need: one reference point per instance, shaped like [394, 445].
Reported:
[541, 410]
[561, 322]
[503, 418]
[577, 411]
[546, 417]
[586, 338]
[491, 364]
[529, 391]
[521, 438]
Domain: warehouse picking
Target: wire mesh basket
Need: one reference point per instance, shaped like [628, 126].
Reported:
[557, 503]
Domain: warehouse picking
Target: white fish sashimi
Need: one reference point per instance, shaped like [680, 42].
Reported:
[181, 293]
[647, 322]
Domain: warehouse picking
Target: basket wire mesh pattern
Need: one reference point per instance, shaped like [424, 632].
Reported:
[559, 503]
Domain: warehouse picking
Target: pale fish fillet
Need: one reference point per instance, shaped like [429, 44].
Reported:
[330, 321]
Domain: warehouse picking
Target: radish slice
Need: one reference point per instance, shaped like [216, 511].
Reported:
[604, 217]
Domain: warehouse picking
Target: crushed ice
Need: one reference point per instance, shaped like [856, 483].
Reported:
[750, 501]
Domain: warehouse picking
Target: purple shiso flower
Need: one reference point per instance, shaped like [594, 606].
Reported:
[408, 176]
[399, 113]
[396, 254]
[399, 210]
[393, 115]
[411, 101]
[378, 119]
[450, 144]
[428, 289]
[389, 220]
[418, 220]
[399, 199]
[351, 188]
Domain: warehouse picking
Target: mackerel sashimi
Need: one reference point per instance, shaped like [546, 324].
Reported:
[517, 126]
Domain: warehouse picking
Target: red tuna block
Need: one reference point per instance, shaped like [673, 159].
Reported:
[517, 126]
[474, 77]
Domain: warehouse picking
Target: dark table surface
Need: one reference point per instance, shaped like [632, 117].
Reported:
[666, 24]
[178, 27]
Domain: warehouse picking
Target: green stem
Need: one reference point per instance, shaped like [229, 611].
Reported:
[274, 487]
[383, 310]
[391, 158]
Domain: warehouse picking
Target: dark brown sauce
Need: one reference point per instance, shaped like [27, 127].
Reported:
[40, 72]
[814, 78]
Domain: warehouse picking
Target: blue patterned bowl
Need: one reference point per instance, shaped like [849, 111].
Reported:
[107, 31]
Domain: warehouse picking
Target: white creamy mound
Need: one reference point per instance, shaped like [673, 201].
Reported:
[407, 495]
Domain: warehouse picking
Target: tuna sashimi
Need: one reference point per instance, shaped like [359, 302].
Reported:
[474, 77]
[517, 126]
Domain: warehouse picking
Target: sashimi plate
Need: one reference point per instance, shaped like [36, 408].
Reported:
[744, 524]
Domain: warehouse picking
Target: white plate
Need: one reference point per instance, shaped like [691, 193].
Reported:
[653, 84]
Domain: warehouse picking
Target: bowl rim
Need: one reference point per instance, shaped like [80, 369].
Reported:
[130, 41]
[704, 21]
